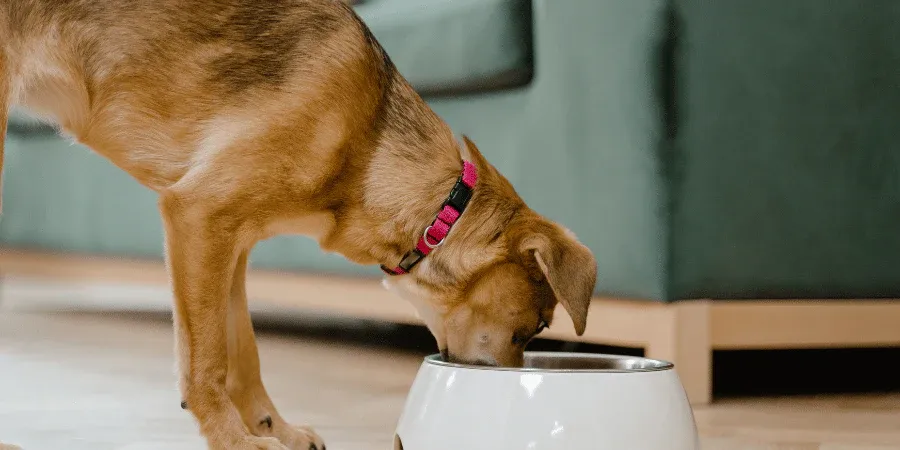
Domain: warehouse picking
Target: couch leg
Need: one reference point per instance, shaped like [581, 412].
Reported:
[682, 336]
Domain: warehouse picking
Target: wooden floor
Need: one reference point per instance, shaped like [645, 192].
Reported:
[83, 378]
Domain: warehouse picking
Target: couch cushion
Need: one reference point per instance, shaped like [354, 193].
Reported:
[455, 46]
[788, 170]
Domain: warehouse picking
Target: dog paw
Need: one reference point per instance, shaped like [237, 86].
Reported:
[300, 438]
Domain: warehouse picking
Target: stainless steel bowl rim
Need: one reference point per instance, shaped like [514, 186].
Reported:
[647, 364]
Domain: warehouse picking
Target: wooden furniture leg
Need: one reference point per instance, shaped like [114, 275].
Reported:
[681, 335]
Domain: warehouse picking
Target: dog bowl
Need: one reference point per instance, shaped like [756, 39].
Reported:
[557, 401]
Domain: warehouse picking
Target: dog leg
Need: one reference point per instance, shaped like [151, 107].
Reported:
[202, 252]
[244, 380]
[4, 115]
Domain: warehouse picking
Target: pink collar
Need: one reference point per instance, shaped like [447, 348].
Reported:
[434, 234]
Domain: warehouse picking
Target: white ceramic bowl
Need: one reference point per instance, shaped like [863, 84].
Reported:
[558, 401]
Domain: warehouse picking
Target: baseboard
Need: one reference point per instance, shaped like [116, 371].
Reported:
[613, 321]
[798, 324]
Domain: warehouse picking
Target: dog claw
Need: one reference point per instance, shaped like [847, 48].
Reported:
[267, 421]
[183, 405]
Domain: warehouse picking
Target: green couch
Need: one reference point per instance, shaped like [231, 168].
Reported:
[728, 149]
[785, 166]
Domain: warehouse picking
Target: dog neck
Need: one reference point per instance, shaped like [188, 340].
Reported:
[436, 233]
[418, 198]
[404, 179]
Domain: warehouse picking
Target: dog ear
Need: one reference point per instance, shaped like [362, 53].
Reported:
[568, 266]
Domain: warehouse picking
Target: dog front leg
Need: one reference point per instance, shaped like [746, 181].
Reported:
[5, 101]
[202, 251]
[244, 379]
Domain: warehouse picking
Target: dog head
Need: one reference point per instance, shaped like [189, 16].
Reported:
[497, 279]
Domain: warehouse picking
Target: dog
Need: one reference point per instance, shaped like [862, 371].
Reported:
[255, 118]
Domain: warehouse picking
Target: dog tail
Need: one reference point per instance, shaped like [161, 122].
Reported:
[4, 114]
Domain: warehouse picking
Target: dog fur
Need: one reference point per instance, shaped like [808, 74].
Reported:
[252, 118]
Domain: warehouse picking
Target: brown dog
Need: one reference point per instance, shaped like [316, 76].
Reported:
[252, 118]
